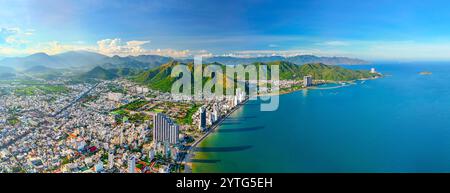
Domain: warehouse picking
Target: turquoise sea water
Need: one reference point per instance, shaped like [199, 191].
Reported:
[399, 123]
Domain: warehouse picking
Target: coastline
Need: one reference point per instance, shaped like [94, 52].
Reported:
[315, 87]
[189, 154]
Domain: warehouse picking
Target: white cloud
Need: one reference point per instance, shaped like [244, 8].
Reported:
[53, 47]
[108, 47]
[117, 47]
[14, 42]
[14, 36]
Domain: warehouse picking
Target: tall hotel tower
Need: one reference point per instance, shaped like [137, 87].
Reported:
[307, 81]
[202, 123]
[132, 165]
[164, 129]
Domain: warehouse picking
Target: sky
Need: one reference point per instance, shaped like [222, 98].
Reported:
[370, 29]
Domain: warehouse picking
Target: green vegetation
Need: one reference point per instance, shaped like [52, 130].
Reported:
[159, 78]
[26, 91]
[157, 110]
[138, 118]
[123, 72]
[44, 89]
[13, 120]
[119, 115]
[187, 120]
[119, 112]
[54, 89]
[65, 160]
[135, 105]
[99, 73]
[122, 114]
[319, 71]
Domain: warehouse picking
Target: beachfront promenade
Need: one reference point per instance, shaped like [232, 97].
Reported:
[186, 159]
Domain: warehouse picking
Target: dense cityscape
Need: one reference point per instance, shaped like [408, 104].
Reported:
[106, 126]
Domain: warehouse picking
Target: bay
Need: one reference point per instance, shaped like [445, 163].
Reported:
[398, 123]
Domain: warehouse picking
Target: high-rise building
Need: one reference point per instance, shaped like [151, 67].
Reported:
[110, 159]
[98, 167]
[307, 80]
[240, 95]
[132, 165]
[164, 129]
[235, 100]
[202, 121]
[215, 114]
[151, 155]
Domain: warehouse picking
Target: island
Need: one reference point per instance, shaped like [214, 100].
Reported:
[425, 73]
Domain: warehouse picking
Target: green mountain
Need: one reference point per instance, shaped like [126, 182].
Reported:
[125, 72]
[99, 73]
[125, 62]
[319, 71]
[159, 78]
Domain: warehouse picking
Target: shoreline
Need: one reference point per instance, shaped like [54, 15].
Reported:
[189, 154]
[315, 87]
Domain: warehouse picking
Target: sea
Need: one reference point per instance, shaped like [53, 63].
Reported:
[398, 123]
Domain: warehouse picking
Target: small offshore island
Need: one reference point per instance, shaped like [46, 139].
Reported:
[357, 128]
[425, 73]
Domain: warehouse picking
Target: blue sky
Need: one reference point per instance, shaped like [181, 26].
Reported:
[373, 30]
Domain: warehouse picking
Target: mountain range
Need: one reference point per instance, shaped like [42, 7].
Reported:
[83, 60]
[89, 60]
[160, 79]
[300, 59]
[6, 72]
[99, 73]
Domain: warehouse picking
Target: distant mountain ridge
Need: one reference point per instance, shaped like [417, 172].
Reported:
[84, 59]
[159, 78]
[88, 60]
[299, 60]
[6, 72]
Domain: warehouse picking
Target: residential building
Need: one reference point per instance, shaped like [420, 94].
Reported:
[132, 165]
[164, 129]
[202, 121]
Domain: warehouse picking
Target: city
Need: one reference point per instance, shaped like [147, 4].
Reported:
[105, 126]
